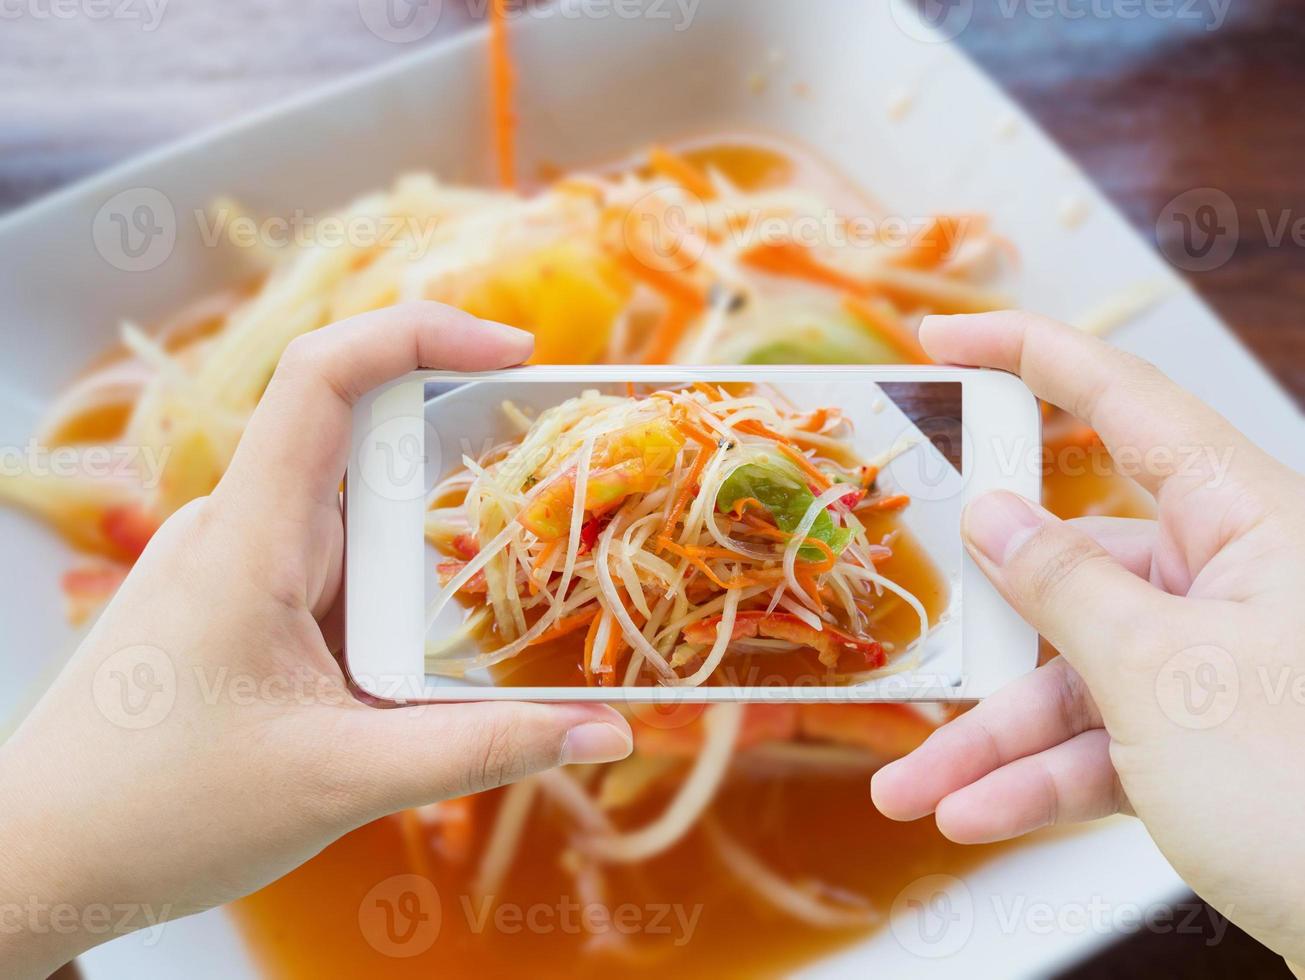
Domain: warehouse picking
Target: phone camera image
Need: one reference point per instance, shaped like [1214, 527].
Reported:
[770, 535]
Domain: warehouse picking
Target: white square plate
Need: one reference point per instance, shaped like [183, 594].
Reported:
[597, 87]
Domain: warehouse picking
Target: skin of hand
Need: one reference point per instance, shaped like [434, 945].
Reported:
[253, 754]
[1179, 692]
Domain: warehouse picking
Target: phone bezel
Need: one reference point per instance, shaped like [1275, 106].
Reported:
[384, 581]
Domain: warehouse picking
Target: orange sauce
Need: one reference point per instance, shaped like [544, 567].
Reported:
[104, 423]
[1085, 484]
[307, 924]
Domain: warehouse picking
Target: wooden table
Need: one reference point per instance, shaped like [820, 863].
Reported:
[1150, 106]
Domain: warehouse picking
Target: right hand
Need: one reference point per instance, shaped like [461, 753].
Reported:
[1180, 691]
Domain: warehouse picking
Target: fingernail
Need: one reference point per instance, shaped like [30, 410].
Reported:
[595, 742]
[998, 523]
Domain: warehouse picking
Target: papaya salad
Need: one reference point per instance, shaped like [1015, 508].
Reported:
[663, 258]
[674, 530]
[731, 249]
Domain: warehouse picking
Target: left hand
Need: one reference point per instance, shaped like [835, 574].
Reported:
[202, 741]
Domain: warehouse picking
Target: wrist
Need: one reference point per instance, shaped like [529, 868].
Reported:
[43, 919]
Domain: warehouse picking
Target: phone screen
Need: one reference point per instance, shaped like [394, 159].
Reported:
[692, 534]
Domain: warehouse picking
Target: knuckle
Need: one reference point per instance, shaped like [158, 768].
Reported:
[194, 519]
[1130, 375]
[1073, 703]
[1050, 567]
[1144, 381]
[301, 353]
[971, 739]
[314, 357]
[498, 757]
[1048, 795]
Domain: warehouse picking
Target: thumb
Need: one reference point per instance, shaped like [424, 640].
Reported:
[1060, 580]
[411, 756]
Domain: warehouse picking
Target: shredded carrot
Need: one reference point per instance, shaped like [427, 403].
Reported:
[695, 473]
[566, 625]
[682, 498]
[503, 84]
[713, 394]
[815, 421]
[615, 645]
[818, 478]
[826, 563]
[680, 170]
[937, 241]
[697, 433]
[754, 428]
[884, 505]
[796, 262]
[677, 289]
[541, 559]
[693, 556]
[590, 637]
[629, 390]
[669, 332]
[699, 551]
[881, 321]
[808, 582]
[868, 476]
[766, 530]
[743, 503]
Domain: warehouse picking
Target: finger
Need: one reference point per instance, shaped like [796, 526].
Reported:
[1035, 712]
[1087, 605]
[1068, 783]
[296, 445]
[411, 756]
[1129, 541]
[1154, 429]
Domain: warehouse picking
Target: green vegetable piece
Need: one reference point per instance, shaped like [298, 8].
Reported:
[782, 491]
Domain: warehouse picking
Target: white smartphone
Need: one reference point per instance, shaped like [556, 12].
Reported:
[666, 533]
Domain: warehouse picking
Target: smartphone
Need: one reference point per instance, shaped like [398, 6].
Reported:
[670, 533]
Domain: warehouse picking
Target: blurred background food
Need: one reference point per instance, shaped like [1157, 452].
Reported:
[1150, 108]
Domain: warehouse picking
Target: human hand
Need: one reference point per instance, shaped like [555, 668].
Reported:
[202, 741]
[1179, 694]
